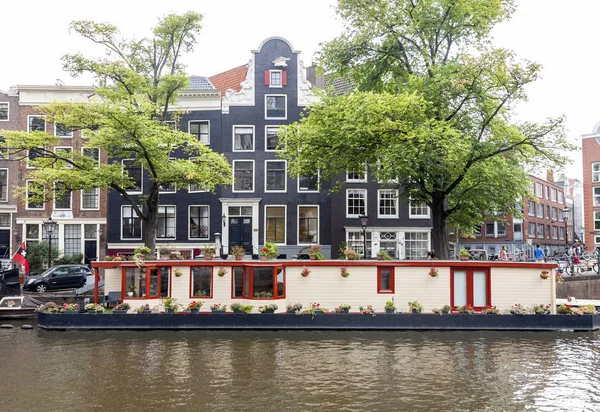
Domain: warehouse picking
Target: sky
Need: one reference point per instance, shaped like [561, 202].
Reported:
[560, 35]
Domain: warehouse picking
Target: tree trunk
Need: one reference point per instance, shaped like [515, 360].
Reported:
[439, 232]
[149, 224]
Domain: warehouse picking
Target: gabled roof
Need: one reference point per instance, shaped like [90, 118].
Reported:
[231, 79]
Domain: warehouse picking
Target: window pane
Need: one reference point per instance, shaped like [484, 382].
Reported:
[72, 244]
[3, 111]
[201, 281]
[199, 222]
[3, 185]
[460, 288]
[356, 202]
[275, 218]
[385, 279]
[271, 138]
[276, 107]
[90, 198]
[308, 224]
[135, 174]
[243, 174]
[479, 289]
[238, 274]
[262, 283]
[308, 183]
[243, 138]
[132, 224]
[275, 176]
[200, 130]
[165, 222]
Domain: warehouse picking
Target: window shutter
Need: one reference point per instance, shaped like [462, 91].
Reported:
[267, 78]
[284, 78]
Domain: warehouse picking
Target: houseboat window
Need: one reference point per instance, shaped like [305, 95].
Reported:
[258, 283]
[470, 287]
[262, 283]
[280, 283]
[238, 279]
[201, 281]
[385, 280]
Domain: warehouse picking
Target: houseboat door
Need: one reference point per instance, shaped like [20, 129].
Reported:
[240, 233]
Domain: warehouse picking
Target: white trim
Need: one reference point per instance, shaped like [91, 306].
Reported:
[36, 115]
[97, 189]
[200, 121]
[317, 240]
[7, 112]
[131, 192]
[233, 190]
[7, 186]
[284, 224]
[360, 180]
[70, 200]
[27, 182]
[357, 189]
[265, 138]
[271, 79]
[309, 191]
[233, 149]
[286, 106]
[63, 137]
[253, 202]
[207, 226]
[411, 216]
[156, 237]
[121, 224]
[284, 190]
[275, 38]
[396, 197]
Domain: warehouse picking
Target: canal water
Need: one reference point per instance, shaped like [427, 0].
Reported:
[298, 371]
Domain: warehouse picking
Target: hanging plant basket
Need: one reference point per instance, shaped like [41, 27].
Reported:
[344, 272]
[222, 272]
[545, 274]
[305, 272]
[433, 272]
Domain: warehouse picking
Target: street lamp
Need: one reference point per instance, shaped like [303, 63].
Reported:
[565, 214]
[364, 220]
[49, 226]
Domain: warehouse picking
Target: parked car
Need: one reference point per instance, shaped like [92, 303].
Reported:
[478, 254]
[58, 277]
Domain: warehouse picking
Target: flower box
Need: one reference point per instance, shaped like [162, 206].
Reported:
[119, 312]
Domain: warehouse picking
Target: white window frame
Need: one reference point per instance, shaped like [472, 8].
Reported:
[553, 195]
[309, 191]
[27, 183]
[540, 207]
[266, 134]
[66, 148]
[190, 186]
[561, 197]
[90, 148]
[121, 224]
[207, 227]
[286, 102]
[35, 115]
[62, 136]
[531, 233]
[284, 190]
[7, 111]
[366, 194]
[362, 179]
[7, 187]
[135, 192]
[395, 197]
[166, 192]
[63, 208]
[233, 189]
[280, 79]
[200, 121]
[531, 210]
[97, 190]
[595, 172]
[539, 190]
[298, 225]
[233, 149]
[284, 223]
[596, 196]
[174, 222]
[418, 216]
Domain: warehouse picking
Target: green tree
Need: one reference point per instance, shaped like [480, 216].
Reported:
[136, 85]
[432, 110]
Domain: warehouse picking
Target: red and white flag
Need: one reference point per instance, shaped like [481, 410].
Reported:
[20, 256]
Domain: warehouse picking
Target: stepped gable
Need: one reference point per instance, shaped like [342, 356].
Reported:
[231, 79]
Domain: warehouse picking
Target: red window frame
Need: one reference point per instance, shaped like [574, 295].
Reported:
[469, 272]
[212, 282]
[248, 273]
[146, 283]
[392, 280]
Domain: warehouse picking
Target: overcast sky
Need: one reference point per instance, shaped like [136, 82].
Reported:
[561, 35]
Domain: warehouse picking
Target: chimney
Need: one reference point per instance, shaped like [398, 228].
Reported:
[549, 176]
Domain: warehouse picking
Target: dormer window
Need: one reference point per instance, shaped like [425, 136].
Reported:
[275, 78]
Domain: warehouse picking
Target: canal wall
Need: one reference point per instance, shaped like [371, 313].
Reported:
[580, 287]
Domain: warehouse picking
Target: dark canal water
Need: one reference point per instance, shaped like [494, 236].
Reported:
[298, 371]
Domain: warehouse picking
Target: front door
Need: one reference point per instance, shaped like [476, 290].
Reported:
[240, 233]
[90, 251]
[4, 244]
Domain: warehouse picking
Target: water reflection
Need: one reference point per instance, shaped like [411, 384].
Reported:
[301, 371]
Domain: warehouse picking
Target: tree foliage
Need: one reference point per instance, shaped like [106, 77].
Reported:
[432, 110]
[136, 84]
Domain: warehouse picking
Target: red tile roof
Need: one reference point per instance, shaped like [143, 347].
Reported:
[230, 79]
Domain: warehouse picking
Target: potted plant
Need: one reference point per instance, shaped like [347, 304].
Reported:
[383, 255]
[177, 272]
[344, 272]
[144, 309]
[437, 311]
[351, 254]
[433, 272]
[239, 308]
[343, 308]
[446, 309]
[170, 304]
[70, 307]
[140, 254]
[367, 310]
[269, 251]
[518, 309]
[222, 272]
[294, 308]
[165, 252]
[194, 307]
[390, 307]
[94, 308]
[468, 309]
[415, 307]
[218, 308]
[464, 254]
[130, 290]
[305, 272]
[121, 308]
[490, 310]
[314, 252]
[270, 308]
[209, 252]
[238, 252]
[544, 274]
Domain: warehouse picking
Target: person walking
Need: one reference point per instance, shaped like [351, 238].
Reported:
[503, 253]
[539, 254]
[576, 252]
